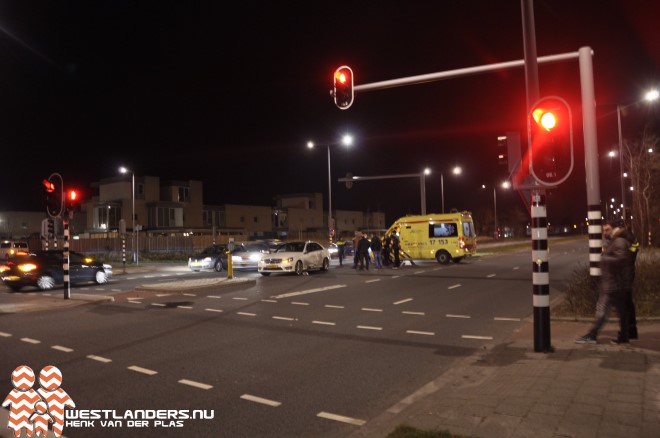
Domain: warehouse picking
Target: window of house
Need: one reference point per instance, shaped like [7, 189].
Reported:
[184, 194]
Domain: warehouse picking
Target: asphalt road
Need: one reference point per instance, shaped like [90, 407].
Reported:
[284, 356]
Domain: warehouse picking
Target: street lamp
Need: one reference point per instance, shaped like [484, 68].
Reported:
[456, 171]
[133, 242]
[504, 185]
[650, 96]
[422, 187]
[346, 140]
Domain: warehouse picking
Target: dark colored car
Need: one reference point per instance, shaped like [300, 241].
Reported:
[44, 270]
[213, 257]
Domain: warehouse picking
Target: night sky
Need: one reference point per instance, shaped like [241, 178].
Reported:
[229, 94]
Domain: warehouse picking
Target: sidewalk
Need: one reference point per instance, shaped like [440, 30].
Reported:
[509, 390]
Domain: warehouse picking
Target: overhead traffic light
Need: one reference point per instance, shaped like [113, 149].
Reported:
[54, 195]
[551, 140]
[343, 87]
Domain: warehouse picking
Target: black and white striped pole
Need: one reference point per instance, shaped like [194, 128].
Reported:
[540, 273]
[65, 257]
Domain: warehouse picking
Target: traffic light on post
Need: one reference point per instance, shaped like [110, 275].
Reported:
[343, 87]
[54, 192]
[72, 201]
[551, 140]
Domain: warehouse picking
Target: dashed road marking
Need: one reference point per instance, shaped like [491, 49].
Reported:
[324, 322]
[189, 295]
[208, 309]
[417, 332]
[269, 301]
[99, 358]
[454, 286]
[61, 348]
[333, 306]
[158, 304]
[341, 418]
[5, 334]
[499, 318]
[396, 303]
[369, 327]
[214, 296]
[490, 275]
[239, 298]
[408, 312]
[142, 370]
[309, 291]
[246, 314]
[451, 315]
[284, 318]
[370, 309]
[184, 307]
[488, 338]
[373, 281]
[31, 341]
[299, 303]
[263, 401]
[195, 384]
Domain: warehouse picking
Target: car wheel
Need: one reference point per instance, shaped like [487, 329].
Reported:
[46, 282]
[218, 266]
[443, 257]
[265, 274]
[299, 267]
[101, 277]
[326, 265]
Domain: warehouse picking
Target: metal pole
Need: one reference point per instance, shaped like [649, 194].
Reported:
[497, 236]
[422, 187]
[540, 274]
[66, 257]
[442, 191]
[329, 199]
[135, 256]
[623, 190]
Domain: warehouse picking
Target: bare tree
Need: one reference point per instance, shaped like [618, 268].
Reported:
[643, 164]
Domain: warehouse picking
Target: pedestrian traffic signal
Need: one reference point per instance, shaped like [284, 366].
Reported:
[54, 192]
[551, 140]
[72, 201]
[343, 87]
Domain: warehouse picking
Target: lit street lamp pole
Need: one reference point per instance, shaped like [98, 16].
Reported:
[133, 242]
[456, 171]
[347, 140]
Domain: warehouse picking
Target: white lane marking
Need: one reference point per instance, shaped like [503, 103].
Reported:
[299, 303]
[450, 315]
[158, 304]
[208, 309]
[342, 418]
[214, 296]
[163, 295]
[488, 338]
[284, 318]
[368, 327]
[416, 332]
[31, 341]
[333, 306]
[263, 401]
[142, 370]
[60, 348]
[269, 301]
[369, 309]
[150, 276]
[134, 302]
[454, 286]
[408, 312]
[308, 291]
[324, 322]
[239, 298]
[5, 334]
[115, 290]
[99, 358]
[395, 276]
[516, 268]
[418, 272]
[246, 314]
[498, 318]
[396, 303]
[190, 295]
[184, 307]
[195, 384]
[490, 275]
[372, 281]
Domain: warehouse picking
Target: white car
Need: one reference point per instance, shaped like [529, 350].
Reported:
[299, 257]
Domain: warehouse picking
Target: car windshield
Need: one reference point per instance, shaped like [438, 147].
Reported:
[292, 247]
[213, 250]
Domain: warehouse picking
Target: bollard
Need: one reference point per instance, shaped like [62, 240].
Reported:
[230, 266]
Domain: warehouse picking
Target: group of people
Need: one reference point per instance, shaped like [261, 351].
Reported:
[385, 251]
[617, 265]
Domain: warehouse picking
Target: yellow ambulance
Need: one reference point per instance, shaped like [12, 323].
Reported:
[443, 237]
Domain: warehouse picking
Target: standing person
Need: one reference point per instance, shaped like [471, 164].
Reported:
[629, 278]
[376, 248]
[341, 246]
[356, 254]
[394, 243]
[363, 252]
[612, 265]
[386, 250]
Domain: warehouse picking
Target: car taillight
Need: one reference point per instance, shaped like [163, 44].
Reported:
[27, 267]
[461, 242]
[4, 268]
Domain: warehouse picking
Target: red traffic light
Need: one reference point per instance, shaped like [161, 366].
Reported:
[50, 187]
[551, 140]
[72, 195]
[343, 87]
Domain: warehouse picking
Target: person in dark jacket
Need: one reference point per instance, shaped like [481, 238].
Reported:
[376, 248]
[341, 247]
[363, 252]
[613, 262]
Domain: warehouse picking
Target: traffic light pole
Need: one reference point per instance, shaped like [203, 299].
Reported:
[421, 176]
